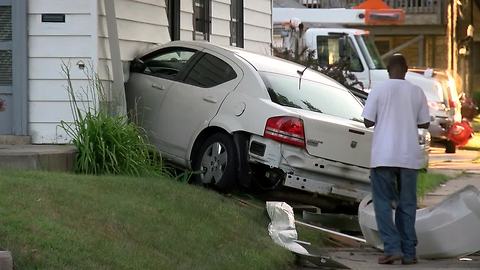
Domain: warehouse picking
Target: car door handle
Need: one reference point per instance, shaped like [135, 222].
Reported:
[356, 131]
[157, 86]
[210, 99]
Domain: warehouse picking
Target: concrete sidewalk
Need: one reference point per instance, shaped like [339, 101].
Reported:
[366, 258]
[37, 157]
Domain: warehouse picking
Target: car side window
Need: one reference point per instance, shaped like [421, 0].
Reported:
[210, 71]
[167, 64]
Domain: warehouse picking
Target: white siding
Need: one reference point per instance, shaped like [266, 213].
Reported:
[140, 24]
[220, 23]
[258, 26]
[50, 45]
[186, 20]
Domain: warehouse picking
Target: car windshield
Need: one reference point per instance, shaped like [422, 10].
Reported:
[368, 47]
[312, 96]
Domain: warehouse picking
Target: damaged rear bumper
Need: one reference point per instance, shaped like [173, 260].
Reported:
[309, 173]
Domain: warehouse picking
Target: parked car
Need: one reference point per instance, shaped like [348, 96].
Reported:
[445, 106]
[225, 113]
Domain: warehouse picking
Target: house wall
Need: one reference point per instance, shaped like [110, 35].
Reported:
[50, 45]
[141, 24]
[258, 26]
[83, 38]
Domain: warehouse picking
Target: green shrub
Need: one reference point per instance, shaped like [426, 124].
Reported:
[106, 143]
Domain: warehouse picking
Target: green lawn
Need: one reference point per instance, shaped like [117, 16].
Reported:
[427, 182]
[64, 221]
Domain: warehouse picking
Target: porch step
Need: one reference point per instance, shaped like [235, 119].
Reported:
[14, 139]
[37, 157]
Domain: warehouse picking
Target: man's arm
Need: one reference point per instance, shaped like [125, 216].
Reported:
[424, 125]
[423, 118]
[370, 109]
[369, 123]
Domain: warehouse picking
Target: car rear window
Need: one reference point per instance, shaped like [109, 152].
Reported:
[313, 96]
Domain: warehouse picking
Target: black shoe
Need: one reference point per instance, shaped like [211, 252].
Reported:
[389, 259]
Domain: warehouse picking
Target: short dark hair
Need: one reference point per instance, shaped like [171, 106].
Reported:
[397, 60]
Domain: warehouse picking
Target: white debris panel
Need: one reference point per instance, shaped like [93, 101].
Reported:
[446, 230]
[282, 228]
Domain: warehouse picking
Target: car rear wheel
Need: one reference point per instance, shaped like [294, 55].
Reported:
[450, 147]
[215, 161]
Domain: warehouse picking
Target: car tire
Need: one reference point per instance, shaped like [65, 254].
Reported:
[450, 147]
[215, 162]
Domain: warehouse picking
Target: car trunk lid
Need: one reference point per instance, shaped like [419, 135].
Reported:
[337, 139]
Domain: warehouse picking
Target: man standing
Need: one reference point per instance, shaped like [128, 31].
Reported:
[396, 108]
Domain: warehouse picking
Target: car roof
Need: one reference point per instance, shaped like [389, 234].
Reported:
[260, 62]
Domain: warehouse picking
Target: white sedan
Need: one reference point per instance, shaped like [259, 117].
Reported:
[227, 114]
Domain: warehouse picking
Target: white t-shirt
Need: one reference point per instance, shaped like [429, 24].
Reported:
[396, 107]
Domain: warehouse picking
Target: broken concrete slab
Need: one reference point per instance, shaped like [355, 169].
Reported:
[446, 230]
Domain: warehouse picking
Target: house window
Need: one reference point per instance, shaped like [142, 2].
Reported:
[236, 23]
[201, 19]
[173, 14]
[5, 39]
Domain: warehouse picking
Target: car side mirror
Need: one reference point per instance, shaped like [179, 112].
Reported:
[137, 66]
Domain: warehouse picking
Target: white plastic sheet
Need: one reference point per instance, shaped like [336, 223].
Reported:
[282, 228]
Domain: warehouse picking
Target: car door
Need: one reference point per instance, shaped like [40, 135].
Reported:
[192, 103]
[148, 86]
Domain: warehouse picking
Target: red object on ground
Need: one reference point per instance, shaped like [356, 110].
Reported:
[460, 133]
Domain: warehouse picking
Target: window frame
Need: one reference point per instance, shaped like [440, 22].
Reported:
[173, 16]
[19, 50]
[202, 18]
[236, 23]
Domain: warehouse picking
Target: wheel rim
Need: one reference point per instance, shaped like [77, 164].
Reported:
[214, 163]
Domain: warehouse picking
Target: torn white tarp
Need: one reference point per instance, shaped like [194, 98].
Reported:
[447, 229]
[282, 228]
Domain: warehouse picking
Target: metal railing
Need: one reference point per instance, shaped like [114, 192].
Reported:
[410, 6]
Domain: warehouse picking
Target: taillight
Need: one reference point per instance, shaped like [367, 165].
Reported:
[285, 129]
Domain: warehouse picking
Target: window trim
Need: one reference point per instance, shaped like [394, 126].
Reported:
[207, 20]
[239, 16]
[173, 15]
[19, 66]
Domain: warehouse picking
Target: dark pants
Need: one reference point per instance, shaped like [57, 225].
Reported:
[396, 187]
